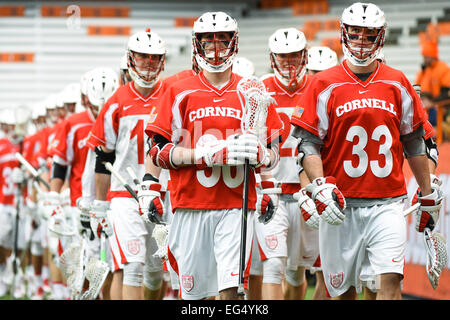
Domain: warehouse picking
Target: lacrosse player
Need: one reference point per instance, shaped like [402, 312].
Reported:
[9, 145]
[118, 136]
[70, 150]
[287, 240]
[194, 117]
[355, 121]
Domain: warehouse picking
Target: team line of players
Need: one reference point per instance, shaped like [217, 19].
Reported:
[326, 189]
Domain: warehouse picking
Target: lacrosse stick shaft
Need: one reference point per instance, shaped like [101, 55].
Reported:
[102, 247]
[133, 176]
[243, 230]
[110, 168]
[411, 209]
[31, 169]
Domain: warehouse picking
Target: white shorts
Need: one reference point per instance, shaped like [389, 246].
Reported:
[256, 268]
[132, 240]
[204, 250]
[7, 228]
[287, 235]
[371, 241]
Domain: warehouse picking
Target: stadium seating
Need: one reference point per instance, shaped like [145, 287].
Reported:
[45, 45]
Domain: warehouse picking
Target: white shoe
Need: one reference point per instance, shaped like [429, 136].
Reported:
[38, 295]
[19, 290]
[3, 289]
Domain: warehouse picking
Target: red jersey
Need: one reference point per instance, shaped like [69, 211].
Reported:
[41, 145]
[286, 102]
[69, 148]
[188, 110]
[360, 123]
[8, 162]
[178, 76]
[120, 126]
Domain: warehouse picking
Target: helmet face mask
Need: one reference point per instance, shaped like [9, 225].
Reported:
[363, 30]
[146, 54]
[288, 56]
[215, 41]
[290, 67]
[145, 68]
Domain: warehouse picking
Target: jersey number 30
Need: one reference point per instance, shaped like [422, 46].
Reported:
[359, 150]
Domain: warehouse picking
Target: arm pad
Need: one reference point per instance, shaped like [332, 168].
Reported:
[161, 152]
[413, 143]
[101, 158]
[58, 171]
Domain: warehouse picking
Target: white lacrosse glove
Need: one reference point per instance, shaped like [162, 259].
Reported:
[428, 213]
[51, 202]
[437, 258]
[151, 207]
[213, 152]
[248, 146]
[267, 199]
[307, 208]
[99, 218]
[330, 202]
[84, 221]
[17, 175]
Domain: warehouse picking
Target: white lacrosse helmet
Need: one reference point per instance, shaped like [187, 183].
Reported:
[124, 76]
[220, 57]
[321, 58]
[283, 41]
[147, 42]
[364, 15]
[243, 67]
[381, 57]
[72, 93]
[101, 84]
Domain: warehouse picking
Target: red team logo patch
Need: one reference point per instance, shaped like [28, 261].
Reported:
[134, 246]
[187, 282]
[272, 242]
[336, 279]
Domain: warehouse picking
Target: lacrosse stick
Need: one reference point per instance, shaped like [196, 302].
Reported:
[116, 174]
[72, 265]
[133, 176]
[96, 272]
[160, 232]
[411, 209]
[254, 102]
[31, 169]
[437, 259]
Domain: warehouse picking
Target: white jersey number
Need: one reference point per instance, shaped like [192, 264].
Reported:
[225, 172]
[8, 186]
[359, 150]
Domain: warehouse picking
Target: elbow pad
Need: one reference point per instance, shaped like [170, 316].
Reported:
[161, 151]
[58, 171]
[413, 143]
[101, 158]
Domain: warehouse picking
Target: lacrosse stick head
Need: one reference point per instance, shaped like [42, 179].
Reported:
[161, 235]
[96, 273]
[255, 101]
[72, 265]
[437, 258]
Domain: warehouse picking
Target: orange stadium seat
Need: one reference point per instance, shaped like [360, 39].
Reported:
[12, 11]
[302, 7]
[331, 24]
[108, 30]
[310, 28]
[7, 57]
[185, 22]
[87, 11]
[443, 28]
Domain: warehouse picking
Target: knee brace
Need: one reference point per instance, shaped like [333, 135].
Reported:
[153, 280]
[273, 270]
[133, 274]
[295, 277]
